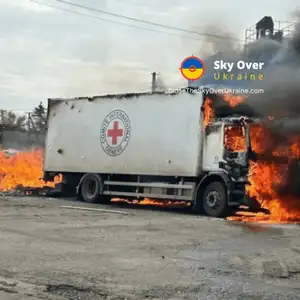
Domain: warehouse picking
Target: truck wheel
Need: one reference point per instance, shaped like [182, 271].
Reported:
[91, 188]
[214, 202]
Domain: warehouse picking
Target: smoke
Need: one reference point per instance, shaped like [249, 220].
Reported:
[280, 100]
[213, 45]
[214, 48]
[274, 54]
[161, 86]
[281, 84]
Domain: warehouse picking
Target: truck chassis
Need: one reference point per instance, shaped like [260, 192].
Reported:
[212, 194]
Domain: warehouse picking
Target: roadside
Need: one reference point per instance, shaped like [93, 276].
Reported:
[48, 252]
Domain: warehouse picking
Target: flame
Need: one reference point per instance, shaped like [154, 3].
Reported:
[152, 202]
[233, 100]
[265, 175]
[25, 169]
[207, 107]
[234, 139]
[22, 169]
[208, 112]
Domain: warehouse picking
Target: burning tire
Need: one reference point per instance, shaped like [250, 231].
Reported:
[91, 189]
[214, 201]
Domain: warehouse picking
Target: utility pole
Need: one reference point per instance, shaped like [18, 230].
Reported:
[154, 82]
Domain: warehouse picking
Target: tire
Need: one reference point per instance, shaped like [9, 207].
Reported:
[214, 201]
[91, 189]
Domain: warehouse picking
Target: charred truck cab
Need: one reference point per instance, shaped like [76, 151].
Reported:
[148, 146]
[226, 151]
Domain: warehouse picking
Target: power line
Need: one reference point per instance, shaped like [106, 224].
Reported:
[129, 18]
[110, 21]
[143, 21]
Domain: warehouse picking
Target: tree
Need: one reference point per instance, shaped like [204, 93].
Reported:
[11, 121]
[39, 117]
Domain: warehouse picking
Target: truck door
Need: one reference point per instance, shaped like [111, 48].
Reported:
[213, 147]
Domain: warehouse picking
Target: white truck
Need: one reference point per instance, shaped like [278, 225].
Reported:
[145, 146]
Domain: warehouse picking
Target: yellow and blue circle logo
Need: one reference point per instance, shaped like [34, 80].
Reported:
[192, 68]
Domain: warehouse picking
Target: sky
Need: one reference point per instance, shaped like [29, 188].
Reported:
[46, 52]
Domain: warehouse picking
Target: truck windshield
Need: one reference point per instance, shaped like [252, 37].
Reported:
[234, 138]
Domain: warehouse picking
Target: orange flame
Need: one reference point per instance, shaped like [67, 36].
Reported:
[208, 112]
[152, 202]
[233, 100]
[265, 176]
[23, 168]
[234, 139]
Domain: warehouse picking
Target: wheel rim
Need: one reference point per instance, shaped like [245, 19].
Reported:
[213, 200]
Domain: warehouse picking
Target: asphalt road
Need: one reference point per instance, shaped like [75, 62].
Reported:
[49, 252]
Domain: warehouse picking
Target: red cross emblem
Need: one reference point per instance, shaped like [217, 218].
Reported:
[115, 132]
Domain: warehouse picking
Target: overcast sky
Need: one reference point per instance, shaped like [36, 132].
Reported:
[46, 52]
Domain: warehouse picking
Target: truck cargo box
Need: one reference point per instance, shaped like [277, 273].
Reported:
[153, 134]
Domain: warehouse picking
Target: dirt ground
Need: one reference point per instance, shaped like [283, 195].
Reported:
[49, 252]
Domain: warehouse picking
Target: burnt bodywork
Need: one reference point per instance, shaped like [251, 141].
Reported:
[236, 163]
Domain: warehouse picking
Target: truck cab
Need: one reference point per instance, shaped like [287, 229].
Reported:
[226, 155]
[226, 147]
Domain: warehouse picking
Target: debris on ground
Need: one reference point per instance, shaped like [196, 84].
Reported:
[20, 191]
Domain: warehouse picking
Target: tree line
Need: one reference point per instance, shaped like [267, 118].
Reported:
[34, 121]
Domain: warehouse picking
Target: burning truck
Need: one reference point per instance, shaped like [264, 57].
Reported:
[159, 145]
[272, 161]
[187, 146]
[211, 152]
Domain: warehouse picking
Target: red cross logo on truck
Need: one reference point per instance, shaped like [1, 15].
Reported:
[115, 132]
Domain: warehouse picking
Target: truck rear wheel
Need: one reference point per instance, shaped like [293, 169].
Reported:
[214, 201]
[91, 189]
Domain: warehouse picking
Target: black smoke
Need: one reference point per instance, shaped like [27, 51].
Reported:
[278, 107]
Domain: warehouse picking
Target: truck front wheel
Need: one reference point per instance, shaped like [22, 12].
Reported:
[214, 201]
